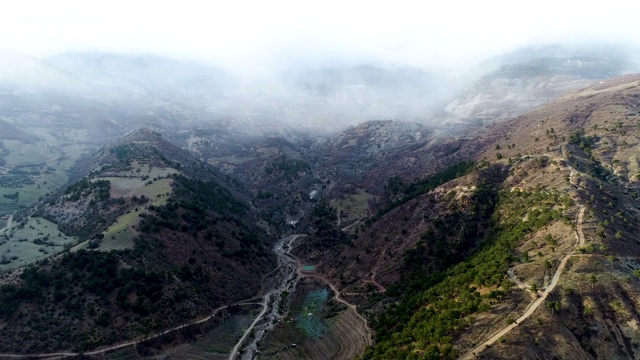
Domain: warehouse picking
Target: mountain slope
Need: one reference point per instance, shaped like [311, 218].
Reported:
[532, 77]
[549, 212]
[160, 249]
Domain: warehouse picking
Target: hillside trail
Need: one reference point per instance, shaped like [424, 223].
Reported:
[374, 272]
[249, 301]
[533, 306]
[579, 220]
[119, 346]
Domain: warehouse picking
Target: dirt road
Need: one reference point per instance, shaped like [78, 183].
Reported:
[537, 302]
[114, 347]
[340, 299]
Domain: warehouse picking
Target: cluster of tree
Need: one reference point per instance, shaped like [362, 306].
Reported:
[323, 222]
[204, 210]
[13, 196]
[123, 152]
[190, 207]
[287, 169]
[80, 285]
[86, 187]
[591, 165]
[405, 192]
[15, 181]
[433, 308]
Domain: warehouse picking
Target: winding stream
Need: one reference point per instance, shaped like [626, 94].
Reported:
[285, 279]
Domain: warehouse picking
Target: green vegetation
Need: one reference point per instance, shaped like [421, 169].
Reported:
[433, 308]
[405, 192]
[197, 207]
[85, 187]
[78, 282]
[197, 253]
[31, 239]
[195, 197]
[323, 219]
[287, 169]
[592, 166]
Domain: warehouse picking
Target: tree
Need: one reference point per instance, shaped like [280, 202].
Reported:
[547, 264]
[593, 280]
[611, 258]
[550, 306]
[534, 288]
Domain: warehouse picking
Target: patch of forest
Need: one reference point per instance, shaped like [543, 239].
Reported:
[432, 308]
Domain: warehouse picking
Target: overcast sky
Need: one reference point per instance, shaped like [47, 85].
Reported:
[281, 33]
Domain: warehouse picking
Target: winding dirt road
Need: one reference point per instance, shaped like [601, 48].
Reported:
[529, 310]
[119, 346]
[533, 306]
[136, 342]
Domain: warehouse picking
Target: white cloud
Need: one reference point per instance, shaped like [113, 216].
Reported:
[276, 32]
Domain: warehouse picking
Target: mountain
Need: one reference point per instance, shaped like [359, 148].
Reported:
[538, 233]
[23, 73]
[159, 241]
[179, 209]
[523, 80]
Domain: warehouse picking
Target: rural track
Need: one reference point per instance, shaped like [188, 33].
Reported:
[534, 305]
[249, 301]
[119, 346]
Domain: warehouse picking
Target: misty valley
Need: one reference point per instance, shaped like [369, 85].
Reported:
[154, 208]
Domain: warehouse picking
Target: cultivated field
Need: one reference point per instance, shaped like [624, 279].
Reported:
[331, 332]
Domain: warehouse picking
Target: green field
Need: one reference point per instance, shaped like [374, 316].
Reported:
[309, 319]
[120, 235]
[17, 242]
[34, 170]
[353, 207]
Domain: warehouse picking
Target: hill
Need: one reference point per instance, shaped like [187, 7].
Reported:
[532, 77]
[160, 242]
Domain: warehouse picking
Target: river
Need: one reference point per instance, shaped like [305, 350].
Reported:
[285, 279]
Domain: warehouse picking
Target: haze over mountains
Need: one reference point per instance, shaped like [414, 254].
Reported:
[161, 92]
[163, 207]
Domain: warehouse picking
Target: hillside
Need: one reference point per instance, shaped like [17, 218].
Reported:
[161, 242]
[548, 214]
[529, 78]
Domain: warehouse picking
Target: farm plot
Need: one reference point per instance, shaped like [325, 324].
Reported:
[352, 207]
[333, 331]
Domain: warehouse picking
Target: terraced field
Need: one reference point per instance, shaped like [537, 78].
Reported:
[333, 331]
[217, 342]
